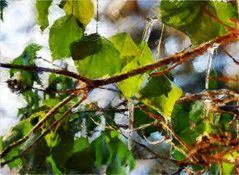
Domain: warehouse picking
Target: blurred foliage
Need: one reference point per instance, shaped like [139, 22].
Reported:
[199, 19]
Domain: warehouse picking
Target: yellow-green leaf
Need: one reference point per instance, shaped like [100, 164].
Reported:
[131, 86]
[124, 43]
[42, 7]
[161, 95]
[83, 10]
[64, 31]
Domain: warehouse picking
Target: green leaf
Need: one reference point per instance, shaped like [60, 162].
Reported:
[188, 121]
[53, 166]
[51, 102]
[56, 82]
[120, 157]
[213, 169]
[229, 168]
[140, 118]
[80, 144]
[27, 58]
[102, 150]
[131, 86]
[1, 144]
[32, 106]
[225, 124]
[155, 86]
[42, 7]
[63, 149]
[82, 162]
[160, 94]
[83, 10]
[191, 17]
[177, 155]
[26, 79]
[63, 32]
[35, 160]
[86, 46]
[16, 133]
[115, 166]
[111, 151]
[66, 149]
[105, 61]
[125, 45]
[229, 11]
[82, 157]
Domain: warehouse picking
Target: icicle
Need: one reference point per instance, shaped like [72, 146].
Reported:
[131, 122]
[147, 30]
[159, 43]
[209, 66]
[207, 101]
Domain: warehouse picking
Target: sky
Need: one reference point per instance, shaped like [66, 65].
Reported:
[16, 32]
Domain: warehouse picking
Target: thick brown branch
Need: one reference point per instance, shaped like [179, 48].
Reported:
[44, 69]
[179, 57]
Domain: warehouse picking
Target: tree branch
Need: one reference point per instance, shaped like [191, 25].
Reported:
[44, 69]
[233, 59]
[215, 96]
[179, 57]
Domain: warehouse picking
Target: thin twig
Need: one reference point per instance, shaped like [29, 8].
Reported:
[220, 95]
[233, 59]
[49, 62]
[158, 73]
